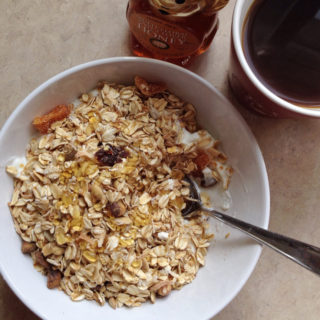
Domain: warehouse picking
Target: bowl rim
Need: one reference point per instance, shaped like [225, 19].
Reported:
[93, 63]
[236, 38]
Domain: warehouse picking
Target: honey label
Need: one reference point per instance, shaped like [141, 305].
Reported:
[162, 37]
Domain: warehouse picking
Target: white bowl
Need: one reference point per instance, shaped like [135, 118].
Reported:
[229, 261]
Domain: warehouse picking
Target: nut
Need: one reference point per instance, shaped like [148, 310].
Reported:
[69, 152]
[117, 209]
[40, 260]
[53, 279]
[165, 290]
[28, 247]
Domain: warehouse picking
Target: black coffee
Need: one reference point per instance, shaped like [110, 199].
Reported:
[281, 41]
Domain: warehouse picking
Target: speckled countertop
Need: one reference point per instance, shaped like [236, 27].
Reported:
[42, 38]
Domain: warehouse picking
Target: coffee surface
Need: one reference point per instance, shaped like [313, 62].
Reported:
[281, 41]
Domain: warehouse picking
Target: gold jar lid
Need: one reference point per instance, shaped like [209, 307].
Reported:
[187, 7]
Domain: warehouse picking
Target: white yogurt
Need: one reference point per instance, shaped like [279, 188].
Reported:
[18, 163]
[220, 199]
[188, 137]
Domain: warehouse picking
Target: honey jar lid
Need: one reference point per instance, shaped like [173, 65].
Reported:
[184, 8]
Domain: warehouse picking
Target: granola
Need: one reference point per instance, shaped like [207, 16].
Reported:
[98, 202]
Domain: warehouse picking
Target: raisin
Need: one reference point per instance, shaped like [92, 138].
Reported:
[111, 156]
[123, 154]
[97, 288]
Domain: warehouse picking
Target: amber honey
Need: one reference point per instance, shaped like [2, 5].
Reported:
[172, 30]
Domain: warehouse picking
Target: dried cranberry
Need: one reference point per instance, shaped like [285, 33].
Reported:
[111, 156]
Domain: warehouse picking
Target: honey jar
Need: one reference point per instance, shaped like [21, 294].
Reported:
[172, 30]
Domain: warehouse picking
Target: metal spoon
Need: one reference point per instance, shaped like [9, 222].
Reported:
[302, 253]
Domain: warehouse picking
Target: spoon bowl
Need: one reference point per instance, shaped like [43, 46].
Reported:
[302, 253]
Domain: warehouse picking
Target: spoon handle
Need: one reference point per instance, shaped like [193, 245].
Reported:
[302, 253]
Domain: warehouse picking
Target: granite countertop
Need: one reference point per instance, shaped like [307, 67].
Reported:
[42, 38]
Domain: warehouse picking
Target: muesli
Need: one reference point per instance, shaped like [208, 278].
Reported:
[98, 201]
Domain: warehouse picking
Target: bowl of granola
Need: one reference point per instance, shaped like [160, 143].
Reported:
[93, 166]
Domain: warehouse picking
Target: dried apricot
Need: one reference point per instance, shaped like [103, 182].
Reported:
[149, 88]
[43, 123]
[202, 160]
